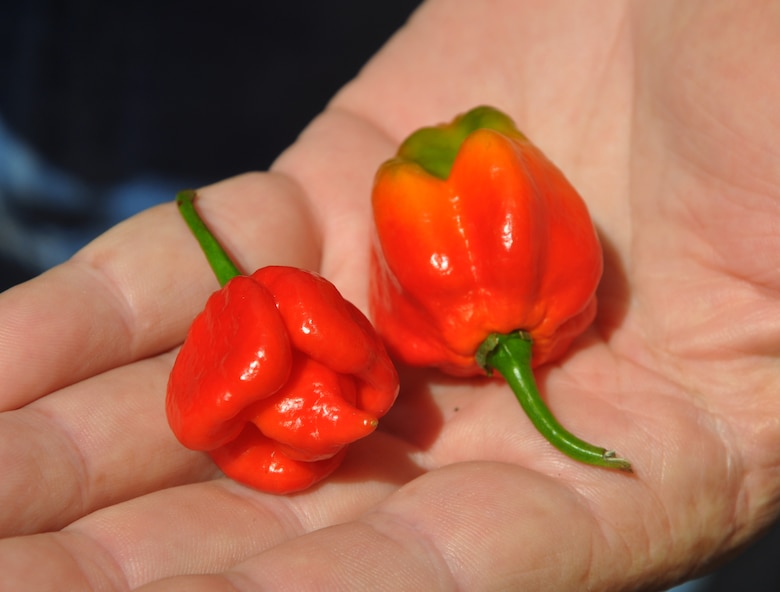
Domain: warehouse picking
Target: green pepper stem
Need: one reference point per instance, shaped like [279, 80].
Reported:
[218, 259]
[510, 355]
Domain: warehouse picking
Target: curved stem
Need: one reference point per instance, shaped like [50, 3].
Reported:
[510, 355]
[218, 259]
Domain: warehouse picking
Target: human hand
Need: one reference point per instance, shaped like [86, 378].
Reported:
[663, 117]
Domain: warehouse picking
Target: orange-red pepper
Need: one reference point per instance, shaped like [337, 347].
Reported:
[485, 259]
[277, 375]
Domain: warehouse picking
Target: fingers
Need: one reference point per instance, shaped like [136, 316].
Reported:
[199, 528]
[82, 567]
[469, 525]
[89, 446]
[133, 292]
[479, 526]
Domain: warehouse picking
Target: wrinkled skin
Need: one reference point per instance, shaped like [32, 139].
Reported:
[663, 114]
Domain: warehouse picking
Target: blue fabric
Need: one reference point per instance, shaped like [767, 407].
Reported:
[46, 213]
[108, 108]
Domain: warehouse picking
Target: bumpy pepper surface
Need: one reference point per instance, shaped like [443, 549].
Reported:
[276, 376]
[485, 259]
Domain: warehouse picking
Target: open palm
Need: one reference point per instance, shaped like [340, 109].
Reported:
[663, 116]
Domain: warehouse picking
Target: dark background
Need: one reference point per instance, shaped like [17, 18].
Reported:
[102, 96]
[110, 93]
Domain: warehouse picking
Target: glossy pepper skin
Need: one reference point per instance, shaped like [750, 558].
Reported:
[276, 376]
[481, 245]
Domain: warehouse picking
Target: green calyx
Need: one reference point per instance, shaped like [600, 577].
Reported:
[510, 355]
[435, 148]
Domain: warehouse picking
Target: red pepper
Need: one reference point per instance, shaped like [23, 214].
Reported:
[277, 375]
[486, 259]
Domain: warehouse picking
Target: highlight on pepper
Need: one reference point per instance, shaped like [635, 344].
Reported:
[277, 375]
[485, 259]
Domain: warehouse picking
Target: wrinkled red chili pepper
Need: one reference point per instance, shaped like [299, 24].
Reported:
[277, 374]
[485, 255]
